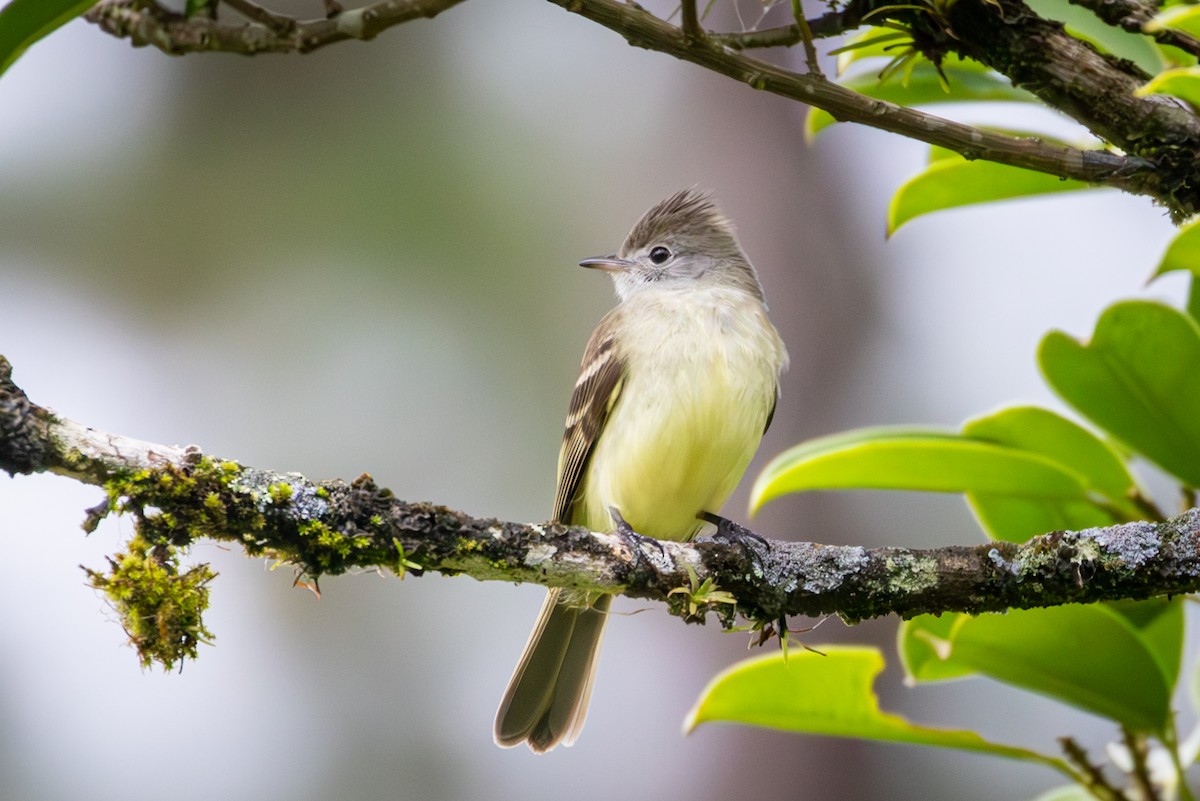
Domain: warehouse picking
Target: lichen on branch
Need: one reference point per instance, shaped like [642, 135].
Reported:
[180, 496]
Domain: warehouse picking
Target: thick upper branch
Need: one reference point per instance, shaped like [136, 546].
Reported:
[178, 495]
[1036, 54]
[148, 24]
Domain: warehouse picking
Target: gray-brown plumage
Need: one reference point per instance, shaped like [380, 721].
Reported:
[677, 384]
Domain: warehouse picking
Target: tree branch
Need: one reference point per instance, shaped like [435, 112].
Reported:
[1160, 138]
[642, 29]
[179, 495]
[146, 23]
[1133, 15]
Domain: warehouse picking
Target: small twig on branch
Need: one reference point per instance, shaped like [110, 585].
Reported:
[1091, 776]
[148, 24]
[1139, 756]
[831, 23]
[642, 29]
[280, 24]
[690, 19]
[1064, 72]
[1133, 16]
[179, 495]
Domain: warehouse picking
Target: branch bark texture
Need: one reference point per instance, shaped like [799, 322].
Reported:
[178, 495]
[1159, 138]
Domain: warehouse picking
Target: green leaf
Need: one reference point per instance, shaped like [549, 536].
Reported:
[1033, 428]
[23, 22]
[1183, 253]
[1082, 23]
[925, 643]
[193, 7]
[1139, 379]
[1183, 18]
[1183, 83]
[1017, 519]
[951, 183]
[1088, 656]
[871, 43]
[1068, 792]
[1160, 624]
[1077, 654]
[968, 80]
[828, 694]
[1042, 431]
[928, 460]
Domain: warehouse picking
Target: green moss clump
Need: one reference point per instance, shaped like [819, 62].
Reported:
[178, 505]
[329, 548]
[160, 604]
[161, 608]
[280, 493]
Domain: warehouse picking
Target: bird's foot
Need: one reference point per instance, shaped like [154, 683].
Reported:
[637, 543]
[754, 545]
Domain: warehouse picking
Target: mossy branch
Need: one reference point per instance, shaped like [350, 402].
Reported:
[178, 496]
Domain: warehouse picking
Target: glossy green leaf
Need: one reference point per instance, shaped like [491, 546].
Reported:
[951, 183]
[871, 43]
[1088, 656]
[968, 80]
[1017, 519]
[1182, 18]
[1183, 83]
[1042, 431]
[1159, 622]
[1068, 792]
[828, 694]
[925, 643]
[926, 460]
[24, 22]
[1084, 24]
[1183, 252]
[1138, 378]
[193, 7]
[1034, 653]
[1033, 428]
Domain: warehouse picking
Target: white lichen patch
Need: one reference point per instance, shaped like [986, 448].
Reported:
[538, 554]
[1134, 543]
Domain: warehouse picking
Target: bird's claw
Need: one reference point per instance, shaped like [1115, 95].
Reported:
[634, 541]
[756, 546]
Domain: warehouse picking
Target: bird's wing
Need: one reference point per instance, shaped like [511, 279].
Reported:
[592, 400]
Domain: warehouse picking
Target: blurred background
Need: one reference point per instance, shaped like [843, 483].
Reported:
[364, 260]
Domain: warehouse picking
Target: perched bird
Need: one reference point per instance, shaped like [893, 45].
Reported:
[677, 386]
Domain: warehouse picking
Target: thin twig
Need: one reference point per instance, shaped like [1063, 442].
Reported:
[642, 29]
[831, 23]
[1091, 776]
[806, 36]
[281, 25]
[1133, 16]
[1138, 757]
[149, 24]
[690, 20]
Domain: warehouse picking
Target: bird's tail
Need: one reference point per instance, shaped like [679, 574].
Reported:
[547, 698]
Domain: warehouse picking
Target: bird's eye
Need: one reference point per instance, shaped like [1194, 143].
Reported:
[659, 254]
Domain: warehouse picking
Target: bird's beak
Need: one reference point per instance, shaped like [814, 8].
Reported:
[610, 264]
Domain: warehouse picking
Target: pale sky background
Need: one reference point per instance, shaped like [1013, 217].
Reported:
[362, 260]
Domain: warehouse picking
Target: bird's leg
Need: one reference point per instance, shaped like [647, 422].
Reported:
[634, 541]
[731, 532]
[754, 545]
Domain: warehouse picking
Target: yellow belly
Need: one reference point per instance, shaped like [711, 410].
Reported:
[688, 420]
